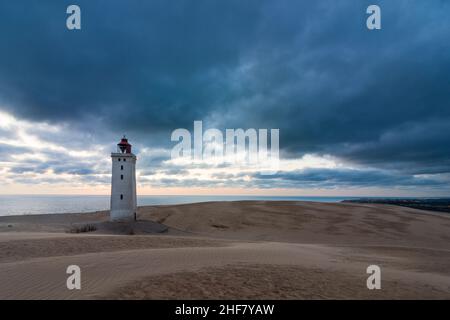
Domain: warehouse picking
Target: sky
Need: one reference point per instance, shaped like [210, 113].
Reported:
[360, 112]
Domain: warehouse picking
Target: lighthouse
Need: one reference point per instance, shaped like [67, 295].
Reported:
[123, 183]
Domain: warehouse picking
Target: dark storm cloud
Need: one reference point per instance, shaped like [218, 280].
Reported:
[331, 178]
[420, 148]
[6, 151]
[58, 163]
[140, 65]
[309, 178]
[200, 183]
[379, 99]
[24, 169]
[74, 170]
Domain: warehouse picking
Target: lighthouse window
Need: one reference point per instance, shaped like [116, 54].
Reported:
[121, 177]
[119, 159]
[121, 197]
[124, 159]
[121, 167]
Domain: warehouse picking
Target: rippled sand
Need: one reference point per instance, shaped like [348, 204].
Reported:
[244, 249]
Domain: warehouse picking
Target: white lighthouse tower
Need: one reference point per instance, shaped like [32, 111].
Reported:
[123, 183]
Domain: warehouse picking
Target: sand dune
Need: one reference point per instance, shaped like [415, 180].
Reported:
[246, 249]
[54, 245]
[307, 222]
[312, 270]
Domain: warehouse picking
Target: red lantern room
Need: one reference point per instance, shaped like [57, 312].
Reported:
[123, 146]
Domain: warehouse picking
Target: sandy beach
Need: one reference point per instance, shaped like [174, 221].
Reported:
[230, 250]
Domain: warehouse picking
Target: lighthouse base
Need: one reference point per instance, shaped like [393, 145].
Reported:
[122, 215]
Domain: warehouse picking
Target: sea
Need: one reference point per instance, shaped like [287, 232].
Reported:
[45, 204]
